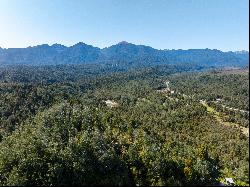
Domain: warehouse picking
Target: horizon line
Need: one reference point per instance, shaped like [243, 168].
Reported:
[122, 42]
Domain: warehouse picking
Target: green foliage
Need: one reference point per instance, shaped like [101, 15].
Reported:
[64, 134]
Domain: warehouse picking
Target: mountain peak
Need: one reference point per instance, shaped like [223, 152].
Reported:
[57, 45]
[83, 45]
[42, 46]
[79, 44]
[124, 42]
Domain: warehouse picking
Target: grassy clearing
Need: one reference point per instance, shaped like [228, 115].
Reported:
[216, 114]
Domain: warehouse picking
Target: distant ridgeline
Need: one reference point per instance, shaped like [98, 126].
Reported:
[121, 54]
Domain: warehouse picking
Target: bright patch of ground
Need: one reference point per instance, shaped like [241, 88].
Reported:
[111, 103]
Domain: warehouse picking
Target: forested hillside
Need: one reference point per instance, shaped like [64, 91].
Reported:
[57, 128]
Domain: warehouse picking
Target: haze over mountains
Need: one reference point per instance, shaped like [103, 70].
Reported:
[122, 52]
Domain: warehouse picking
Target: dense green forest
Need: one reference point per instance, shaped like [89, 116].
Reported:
[56, 129]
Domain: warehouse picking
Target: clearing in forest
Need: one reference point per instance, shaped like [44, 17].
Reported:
[111, 103]
[216, 114]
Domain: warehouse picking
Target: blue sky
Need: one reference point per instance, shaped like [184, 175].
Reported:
[162, 24]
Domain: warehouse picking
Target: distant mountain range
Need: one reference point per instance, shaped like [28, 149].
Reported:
[122, 52]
